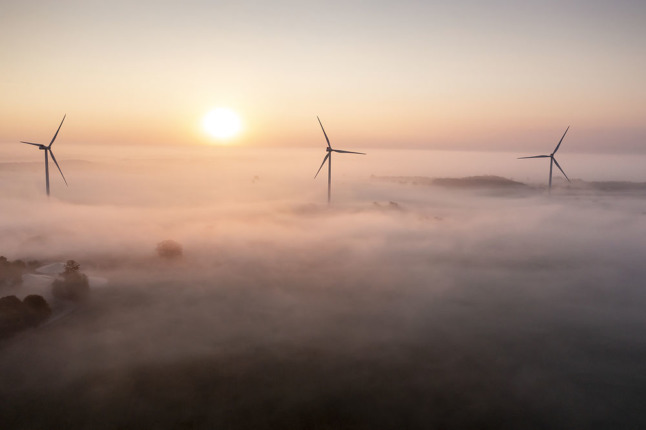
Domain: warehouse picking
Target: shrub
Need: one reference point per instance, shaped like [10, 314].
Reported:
[12, 315]
[37, 309]
[169, 249]
[11, 272]
[72, 284]
[16, 315]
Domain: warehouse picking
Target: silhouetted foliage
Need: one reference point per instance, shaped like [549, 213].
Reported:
[71, 284]
[37, 308]
[483, 181]
[13, 315]
[169, 249]
[16, 315]
[71, 267]
[11, 272]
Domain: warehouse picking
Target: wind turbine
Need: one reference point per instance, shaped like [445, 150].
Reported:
[552, 159]
[48, 149]
[328, 158]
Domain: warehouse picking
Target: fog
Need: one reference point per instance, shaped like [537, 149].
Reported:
[400, 306]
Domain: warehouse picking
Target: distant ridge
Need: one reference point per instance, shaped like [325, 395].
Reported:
[497, 182]
[484, 181]
[616, 186]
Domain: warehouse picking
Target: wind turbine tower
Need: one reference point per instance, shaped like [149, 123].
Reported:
[48, 151]
[328, 159]
[552, 159]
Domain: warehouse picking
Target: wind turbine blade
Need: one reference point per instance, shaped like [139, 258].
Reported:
[59, 167]
[557, 165]
[324, 133]
[324, 160]
[30, 143]
[535, 156]
[557, 146]
[59, 128]
[348, 152]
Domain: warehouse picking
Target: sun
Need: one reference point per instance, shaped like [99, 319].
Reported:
[222, 123]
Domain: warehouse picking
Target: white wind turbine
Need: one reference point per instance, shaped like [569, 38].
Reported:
[552, 159]
[48, 149]
[328, 158]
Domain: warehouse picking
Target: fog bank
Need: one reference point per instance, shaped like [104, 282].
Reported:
[445, 309]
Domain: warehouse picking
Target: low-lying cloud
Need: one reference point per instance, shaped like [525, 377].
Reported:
[446, 309]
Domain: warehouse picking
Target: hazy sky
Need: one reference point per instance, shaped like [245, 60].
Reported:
[483, 75]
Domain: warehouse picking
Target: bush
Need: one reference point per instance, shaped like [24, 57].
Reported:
[37, 309]
[12, 315]
[72, 284]
[16, 315]
[11, 272]
[169, 249]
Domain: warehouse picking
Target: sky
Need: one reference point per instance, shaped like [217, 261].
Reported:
[495, 75]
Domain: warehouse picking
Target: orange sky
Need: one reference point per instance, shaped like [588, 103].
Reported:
[395, 74]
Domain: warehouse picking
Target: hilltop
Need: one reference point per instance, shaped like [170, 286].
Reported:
[492, 182]
[483, 181]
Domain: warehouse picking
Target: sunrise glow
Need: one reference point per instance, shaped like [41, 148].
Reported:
[222, 123]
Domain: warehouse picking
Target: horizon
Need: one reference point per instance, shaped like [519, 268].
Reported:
[300, 163]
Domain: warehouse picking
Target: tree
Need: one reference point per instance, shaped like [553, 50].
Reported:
[71, 283]
[12, 315]
[37, 309]
[11, 272]
[71, 267]
[16, 315]
[169, 249]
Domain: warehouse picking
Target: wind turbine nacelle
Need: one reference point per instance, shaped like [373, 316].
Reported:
[42, 148]
[328, 149]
